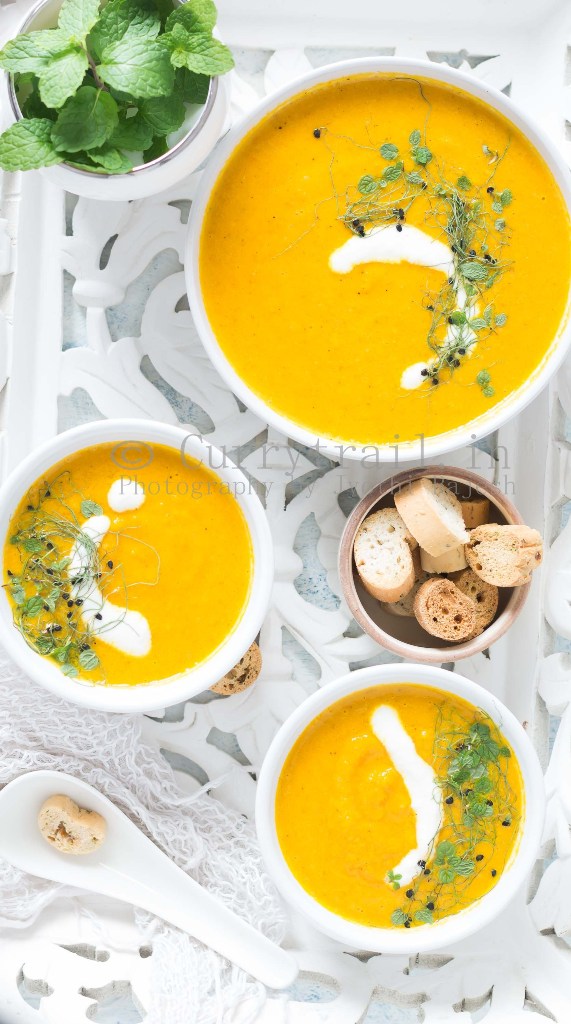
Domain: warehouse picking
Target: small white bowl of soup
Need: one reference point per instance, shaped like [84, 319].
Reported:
[386, 221]
[137, 565]
[400, 808]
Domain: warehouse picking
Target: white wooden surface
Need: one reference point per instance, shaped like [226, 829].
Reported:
[89, 330]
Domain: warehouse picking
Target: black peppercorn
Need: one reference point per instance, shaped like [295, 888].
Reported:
[449, 800]
[479, 856]
[317, 133]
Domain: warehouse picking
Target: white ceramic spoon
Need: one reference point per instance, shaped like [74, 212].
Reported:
[129, 867]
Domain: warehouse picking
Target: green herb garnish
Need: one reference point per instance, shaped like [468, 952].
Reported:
[62, 568]
[105, 89]
[465, 215]
[471, 761]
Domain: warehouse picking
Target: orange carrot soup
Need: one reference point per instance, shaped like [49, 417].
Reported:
[399, 805]
[372, 259]
[128, 577]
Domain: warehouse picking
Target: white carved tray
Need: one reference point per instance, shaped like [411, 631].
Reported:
[94, 323]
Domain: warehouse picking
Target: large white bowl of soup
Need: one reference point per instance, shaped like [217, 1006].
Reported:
[379, 255]
[400, 808]
[137, 565]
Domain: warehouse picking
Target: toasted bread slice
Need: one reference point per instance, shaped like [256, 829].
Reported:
[504, 555]
[382, 552]
[444, 611]
[405, 607]
[475, 511]
[69, 828]
[243, 675]
[484, 595]
[450, 561]
[432, 514]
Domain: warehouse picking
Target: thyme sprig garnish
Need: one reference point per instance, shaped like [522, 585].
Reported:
[471, 760]
[61, 567]
[464, 215]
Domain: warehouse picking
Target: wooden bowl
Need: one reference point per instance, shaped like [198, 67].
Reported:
[403, 635]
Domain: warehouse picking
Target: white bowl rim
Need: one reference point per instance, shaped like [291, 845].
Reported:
[163, 693]
[425, 447]
[424, 937]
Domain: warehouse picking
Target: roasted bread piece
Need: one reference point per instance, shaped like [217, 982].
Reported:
[504, 555]
[432, 514]
[475, 511]
[444, 611]
[69, 828]
[404, 608]
[484, 595]
[243, 675]
[382, 552]
[450, 561]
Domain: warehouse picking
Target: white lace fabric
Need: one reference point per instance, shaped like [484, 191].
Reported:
[214, 844]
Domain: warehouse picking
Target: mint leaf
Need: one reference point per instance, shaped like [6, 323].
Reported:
[464, 182]
[483, 378]
[111, 160]
[90, 508]
[458, 317]
[88, 660]
[33, 606]
[199, 52]
[473, 271]
[367, 184]
[32, 105]
[63, 77]
[158, 148]
[132, 134]
[501, 319]
[424, 915]
[422, 155]
[32, 51]
[86, 121]
[164, 114]
[137, 66]
[196, 15]
[77, 18]
[120, 18]
[28, 144]
[192, 87]
[69, 670]
[393, 172]
[414, 137]
[389, 151]
[398, 917]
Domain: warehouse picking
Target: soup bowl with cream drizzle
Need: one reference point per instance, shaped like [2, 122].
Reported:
[154, 568]
[327, 325]
[353, 811]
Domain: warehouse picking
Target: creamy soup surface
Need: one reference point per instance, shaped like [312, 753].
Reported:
[128, 575]
[399, 805]
[373, 259]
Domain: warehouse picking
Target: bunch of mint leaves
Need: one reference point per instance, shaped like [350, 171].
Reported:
[105, 89]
